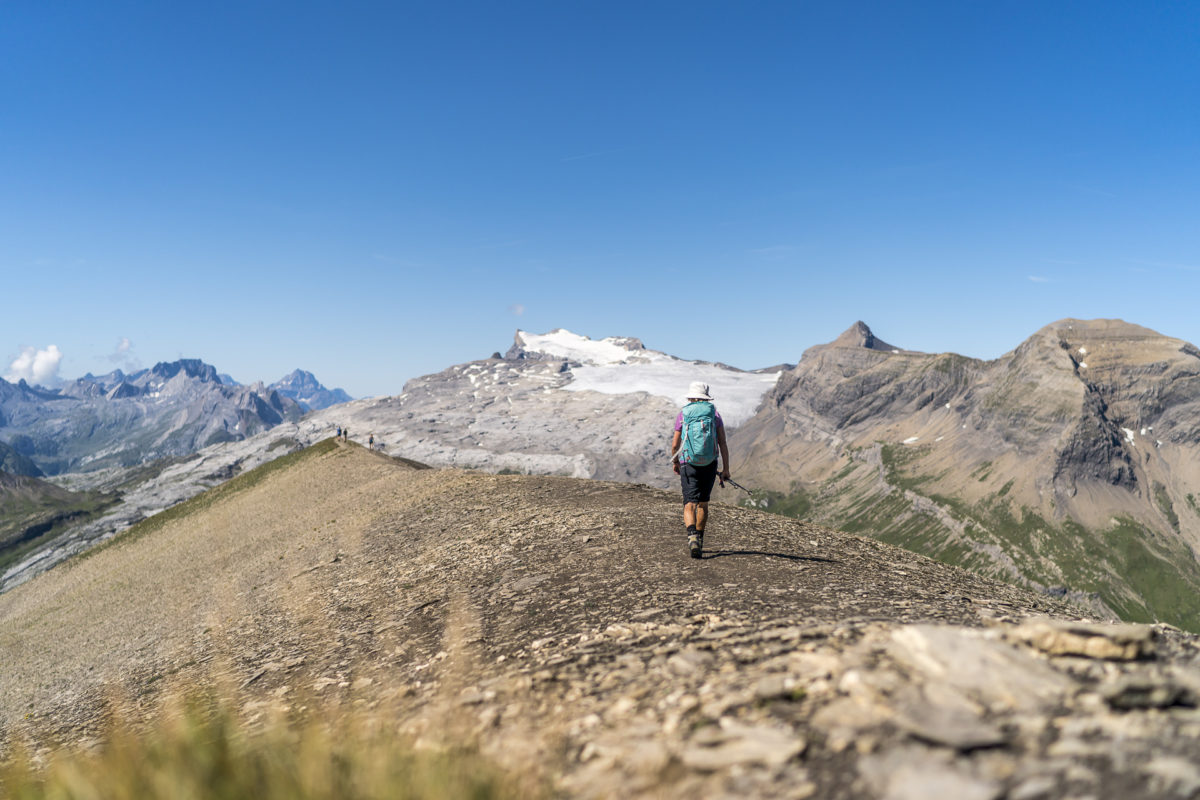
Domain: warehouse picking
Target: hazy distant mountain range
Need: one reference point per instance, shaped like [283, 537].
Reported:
[122, 420]
[1068, 464]
[305, 389]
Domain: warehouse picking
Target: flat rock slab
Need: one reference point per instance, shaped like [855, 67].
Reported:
[917, 774]
[941, 717]
[1112, 642]
[738, 744]
[981, 669]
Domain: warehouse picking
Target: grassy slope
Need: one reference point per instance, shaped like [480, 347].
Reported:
[206, 499]
[1141, 573]
[213, 750]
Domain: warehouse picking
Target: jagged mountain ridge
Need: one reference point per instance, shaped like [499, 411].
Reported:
[121, 420]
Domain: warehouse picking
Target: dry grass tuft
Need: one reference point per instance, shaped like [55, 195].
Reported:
[201, 748]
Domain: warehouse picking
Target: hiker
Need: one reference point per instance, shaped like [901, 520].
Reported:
[338, 435]
[371, 442]
[699, 434]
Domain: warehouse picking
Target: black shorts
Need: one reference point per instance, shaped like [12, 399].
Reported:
[697, 482]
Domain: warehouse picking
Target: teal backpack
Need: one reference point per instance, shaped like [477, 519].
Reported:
[699, 444]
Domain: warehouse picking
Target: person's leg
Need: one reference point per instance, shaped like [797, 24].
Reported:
[691, 496]
[689, 515]
[706, 477]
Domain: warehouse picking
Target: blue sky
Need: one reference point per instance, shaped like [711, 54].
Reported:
[374, 191]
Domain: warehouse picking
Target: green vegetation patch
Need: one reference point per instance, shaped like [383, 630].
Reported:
[1141, 574]
[1163, 572]
[897, 460]
[798, 504]
[1163, 499]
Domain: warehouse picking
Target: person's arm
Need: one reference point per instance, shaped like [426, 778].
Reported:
[724, 453]
[675, 440]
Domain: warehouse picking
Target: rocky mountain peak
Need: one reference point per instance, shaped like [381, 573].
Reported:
[860, 335]
[303, 387]
[13, 462]
[299, 379]
[123, 390]
[191, 367]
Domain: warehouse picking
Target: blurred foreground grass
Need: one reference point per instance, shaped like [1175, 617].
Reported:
[202, 749]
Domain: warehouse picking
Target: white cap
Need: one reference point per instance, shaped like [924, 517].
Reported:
[698, 391]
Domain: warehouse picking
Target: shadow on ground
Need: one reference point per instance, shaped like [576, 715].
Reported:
[787, 556]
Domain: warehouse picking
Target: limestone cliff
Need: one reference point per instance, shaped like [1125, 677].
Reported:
[1068, 464]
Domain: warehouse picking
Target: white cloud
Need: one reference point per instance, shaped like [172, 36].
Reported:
[517, 309]
[124, 356]
[1038, 279]
[36, 366]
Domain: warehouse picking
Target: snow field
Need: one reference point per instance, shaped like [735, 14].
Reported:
[609, 368]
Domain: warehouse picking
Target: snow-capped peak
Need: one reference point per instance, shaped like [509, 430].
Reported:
[620, 365]
[564, 344]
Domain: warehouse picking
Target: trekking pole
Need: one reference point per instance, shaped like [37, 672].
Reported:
[736, 485]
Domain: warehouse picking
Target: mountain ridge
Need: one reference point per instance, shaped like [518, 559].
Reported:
[1078, 435]
[168, 410]
[562, 626]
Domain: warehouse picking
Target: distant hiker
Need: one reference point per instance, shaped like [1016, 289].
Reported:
[339, 432]
[699, 434]
[371, 442]
[345, 434]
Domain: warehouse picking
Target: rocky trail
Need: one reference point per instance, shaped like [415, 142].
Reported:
[561, 624]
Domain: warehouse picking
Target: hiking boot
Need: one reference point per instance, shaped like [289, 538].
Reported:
[695, 545]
